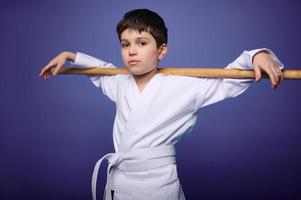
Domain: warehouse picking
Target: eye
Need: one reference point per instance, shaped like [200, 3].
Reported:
[124, 45]
[142, 43]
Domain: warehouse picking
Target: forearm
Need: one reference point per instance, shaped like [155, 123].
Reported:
[245, 60]
[86, 61]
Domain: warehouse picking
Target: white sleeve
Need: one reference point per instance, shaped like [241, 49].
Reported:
[109, 84]
[215, 90]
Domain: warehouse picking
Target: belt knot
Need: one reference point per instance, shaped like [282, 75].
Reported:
[115, 159]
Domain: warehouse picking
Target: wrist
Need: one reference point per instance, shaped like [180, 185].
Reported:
[260, 53]
[70, 55]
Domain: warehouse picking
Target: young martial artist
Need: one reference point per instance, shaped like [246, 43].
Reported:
[153, 110]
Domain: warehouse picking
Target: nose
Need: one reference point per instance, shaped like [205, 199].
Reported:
[132, 50]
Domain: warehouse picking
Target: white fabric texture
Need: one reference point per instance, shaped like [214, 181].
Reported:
[159, 115]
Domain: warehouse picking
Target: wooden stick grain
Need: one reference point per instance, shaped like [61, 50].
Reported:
[194, 72]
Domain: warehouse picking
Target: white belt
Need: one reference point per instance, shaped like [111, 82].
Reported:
[135, 161]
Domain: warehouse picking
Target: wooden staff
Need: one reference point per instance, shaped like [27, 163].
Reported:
[194, 72]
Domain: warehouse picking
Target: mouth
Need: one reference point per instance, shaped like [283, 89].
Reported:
[133, 62]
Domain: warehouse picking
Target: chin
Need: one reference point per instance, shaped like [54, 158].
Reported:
[136, 70]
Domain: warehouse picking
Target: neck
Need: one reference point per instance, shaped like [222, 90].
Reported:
[143, 79]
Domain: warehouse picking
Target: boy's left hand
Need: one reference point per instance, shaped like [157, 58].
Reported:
[262, 61]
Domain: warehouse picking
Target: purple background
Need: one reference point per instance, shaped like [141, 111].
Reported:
[53, 132]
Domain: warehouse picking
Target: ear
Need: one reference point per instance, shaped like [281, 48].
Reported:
[162, 51]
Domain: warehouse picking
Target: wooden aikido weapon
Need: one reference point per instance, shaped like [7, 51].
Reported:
[194, 72]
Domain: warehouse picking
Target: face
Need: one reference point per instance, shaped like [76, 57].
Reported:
[139, 51]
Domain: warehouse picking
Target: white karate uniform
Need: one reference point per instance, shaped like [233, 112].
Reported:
[158, 116]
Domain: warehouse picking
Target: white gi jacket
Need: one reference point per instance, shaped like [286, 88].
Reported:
[148, 124]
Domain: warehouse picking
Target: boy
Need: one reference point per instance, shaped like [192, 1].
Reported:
[154, 110]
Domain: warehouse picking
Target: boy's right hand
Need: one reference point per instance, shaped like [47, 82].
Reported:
[57, 63]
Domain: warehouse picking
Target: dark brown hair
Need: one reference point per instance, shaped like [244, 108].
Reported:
[144, 20]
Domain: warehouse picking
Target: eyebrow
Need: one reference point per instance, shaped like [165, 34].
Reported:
[138, 38]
